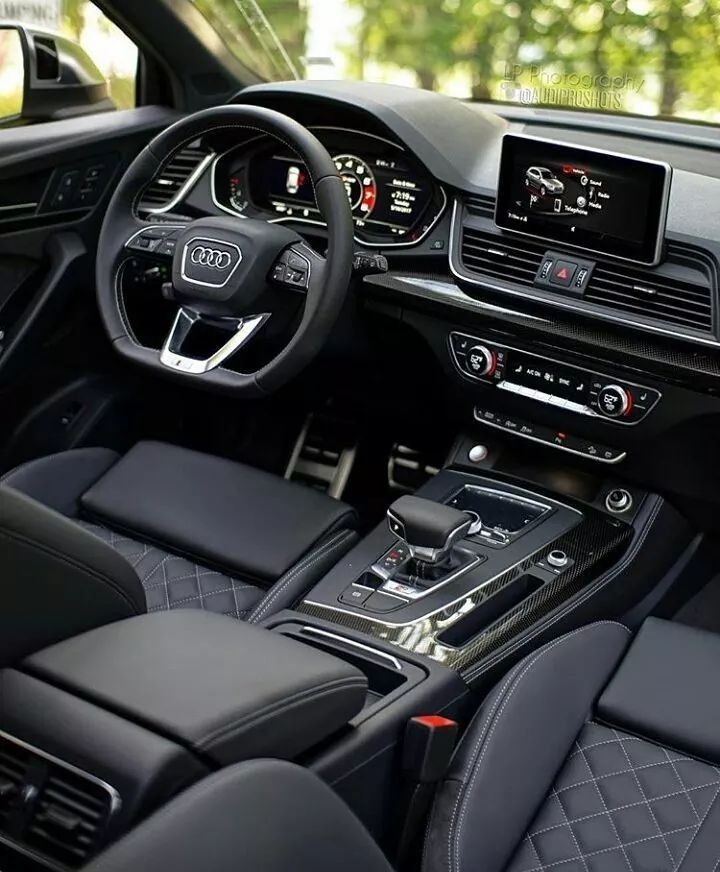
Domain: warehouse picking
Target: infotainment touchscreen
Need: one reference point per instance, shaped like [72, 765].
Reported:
[601, 202]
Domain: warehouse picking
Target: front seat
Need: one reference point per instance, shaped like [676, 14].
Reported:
[199, 531]
[593, 755]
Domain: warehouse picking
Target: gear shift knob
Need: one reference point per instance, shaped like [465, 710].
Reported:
[429, 529]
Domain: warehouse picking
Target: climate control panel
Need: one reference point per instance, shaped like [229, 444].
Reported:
[552, 382]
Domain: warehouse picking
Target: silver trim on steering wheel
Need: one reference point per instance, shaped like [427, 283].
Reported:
[171, 357]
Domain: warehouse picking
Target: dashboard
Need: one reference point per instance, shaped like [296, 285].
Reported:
[602, 342]
[394, 201]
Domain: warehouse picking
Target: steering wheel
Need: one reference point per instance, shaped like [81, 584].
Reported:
[224, 268]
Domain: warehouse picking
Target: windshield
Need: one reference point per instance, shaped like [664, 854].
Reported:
[647, 57]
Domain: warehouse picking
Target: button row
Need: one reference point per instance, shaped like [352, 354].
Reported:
[369, 599]
[291, 269]
[542, 397]
[79, 188]
[156, 240]
[551, 438]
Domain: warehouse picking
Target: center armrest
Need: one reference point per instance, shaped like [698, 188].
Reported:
[228, 691]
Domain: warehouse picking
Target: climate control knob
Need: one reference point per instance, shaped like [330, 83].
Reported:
[614, 401]
[481, 361]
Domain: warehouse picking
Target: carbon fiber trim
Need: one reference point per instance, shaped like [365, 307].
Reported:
[557, 332]
[594, 543]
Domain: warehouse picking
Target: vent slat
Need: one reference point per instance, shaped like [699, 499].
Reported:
[683, 295]
[481, 205]
[68, 820]
[497, 257]
[659, 299]
[171, 178]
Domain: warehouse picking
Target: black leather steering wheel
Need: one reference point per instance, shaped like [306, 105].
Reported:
[222, 267]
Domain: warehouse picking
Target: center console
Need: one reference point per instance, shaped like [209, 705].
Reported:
[462, 578]
[464, 565]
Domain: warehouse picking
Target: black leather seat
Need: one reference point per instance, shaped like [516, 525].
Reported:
[594, 754]
[199, 531]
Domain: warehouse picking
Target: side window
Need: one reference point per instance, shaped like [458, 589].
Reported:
[110, 50]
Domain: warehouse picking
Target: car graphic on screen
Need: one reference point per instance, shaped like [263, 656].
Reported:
[543, 180]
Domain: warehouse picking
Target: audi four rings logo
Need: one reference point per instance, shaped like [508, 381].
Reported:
[213, 258]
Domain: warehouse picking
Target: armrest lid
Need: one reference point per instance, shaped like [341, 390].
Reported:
[229, 691]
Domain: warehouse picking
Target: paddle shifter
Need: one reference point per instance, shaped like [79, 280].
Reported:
[430, 530]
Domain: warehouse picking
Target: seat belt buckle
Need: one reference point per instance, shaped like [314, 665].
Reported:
[428, 748]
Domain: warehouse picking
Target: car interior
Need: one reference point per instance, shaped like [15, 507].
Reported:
[358, 471]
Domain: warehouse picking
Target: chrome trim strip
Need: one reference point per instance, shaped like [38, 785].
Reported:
[663, 209]
[310, 221]
[502, 429]
[180, 195]
[338, 638]
[19, 206]
[568, 405]
[182, 325]
[526, 293]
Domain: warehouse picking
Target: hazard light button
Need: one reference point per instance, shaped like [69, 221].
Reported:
[563, 272]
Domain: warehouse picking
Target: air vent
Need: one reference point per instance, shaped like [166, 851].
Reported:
[681, 295]
[13, 766]
[69, 819]
[482, 206]
[50, 809]
[500, 257]
[173, 176]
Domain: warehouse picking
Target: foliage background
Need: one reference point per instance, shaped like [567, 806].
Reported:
[664, 55]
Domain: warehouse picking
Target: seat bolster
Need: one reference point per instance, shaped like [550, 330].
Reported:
[57, 579]
[59, 480]
[514, 747]
[300, 578]
[259, 816]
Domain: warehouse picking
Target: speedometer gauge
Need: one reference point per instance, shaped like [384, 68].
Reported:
[359, 182]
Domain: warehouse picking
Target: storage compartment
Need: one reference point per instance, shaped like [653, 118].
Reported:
[491, 610]
[129, 714]
[388, 676]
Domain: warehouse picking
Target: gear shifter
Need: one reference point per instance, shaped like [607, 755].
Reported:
[430, 530]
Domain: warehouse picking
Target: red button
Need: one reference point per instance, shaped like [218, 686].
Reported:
[563, 273]
[434, 721]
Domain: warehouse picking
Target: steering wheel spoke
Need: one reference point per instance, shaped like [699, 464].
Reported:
[241, 330]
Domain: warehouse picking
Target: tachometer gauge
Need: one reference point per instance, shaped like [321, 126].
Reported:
[238, 200]
[360, 184]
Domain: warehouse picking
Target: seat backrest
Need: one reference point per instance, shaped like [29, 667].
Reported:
[591, 755]
[56, 579]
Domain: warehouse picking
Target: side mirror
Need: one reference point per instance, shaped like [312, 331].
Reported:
[56, 78]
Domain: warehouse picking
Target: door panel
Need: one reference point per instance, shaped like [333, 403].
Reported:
[55, 183]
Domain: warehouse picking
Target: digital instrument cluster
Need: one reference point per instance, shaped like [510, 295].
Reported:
[393, 200]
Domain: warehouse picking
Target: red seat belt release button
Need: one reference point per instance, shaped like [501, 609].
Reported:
[428, 748]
